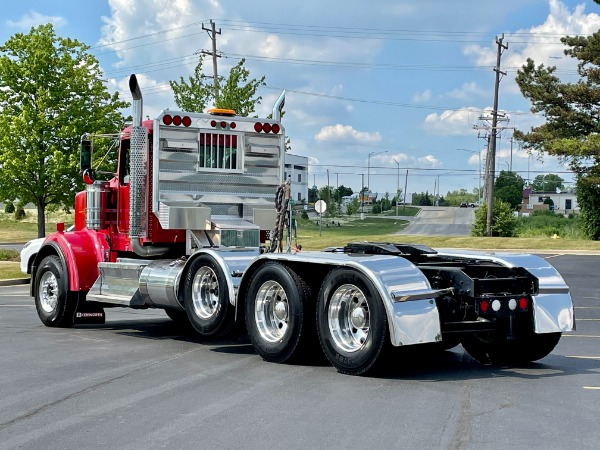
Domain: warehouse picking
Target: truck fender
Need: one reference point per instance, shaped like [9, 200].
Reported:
[232, 263]
[79, 253]
[405, 291]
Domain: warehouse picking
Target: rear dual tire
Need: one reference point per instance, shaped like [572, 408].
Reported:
[206, 298]
[351, 322]
[279, 315]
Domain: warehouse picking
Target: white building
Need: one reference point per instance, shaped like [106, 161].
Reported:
[296, 170]
[565, 202]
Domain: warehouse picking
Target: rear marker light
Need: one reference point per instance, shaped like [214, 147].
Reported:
[258, 127]
[275, 128]
[177, 120]
[167, 120]
[213, 123]
[523, 303]
[232, 125]
[512, 304]
[223, 124]
[484, 306]
[186, 121]
[267, 127]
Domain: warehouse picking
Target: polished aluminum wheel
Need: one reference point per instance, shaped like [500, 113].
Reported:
[348, 318]
[205, 293]
[271, 312]
[48, 292]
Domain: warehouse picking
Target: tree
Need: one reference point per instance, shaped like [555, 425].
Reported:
[51, 94]
[509, 188]
[313, 194]
[572, 127]
[547, 183]
[504, 222]
[237, 92]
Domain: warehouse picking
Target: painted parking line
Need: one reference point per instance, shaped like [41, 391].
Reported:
[583, 357]
[587, 307]
[17, 306]
[593, 388]
[582, 335]
[589, 320]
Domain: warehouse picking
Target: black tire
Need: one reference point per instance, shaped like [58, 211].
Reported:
[351, 322]
[488, 348]
[277, 313]
[177, 316]
[206, 298]
[54, 305]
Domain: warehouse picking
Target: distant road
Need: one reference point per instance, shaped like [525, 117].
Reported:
[441, 221]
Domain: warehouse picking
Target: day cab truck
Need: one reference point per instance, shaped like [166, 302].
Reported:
[195, 221]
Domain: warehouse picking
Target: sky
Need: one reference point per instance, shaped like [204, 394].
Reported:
[374, 90]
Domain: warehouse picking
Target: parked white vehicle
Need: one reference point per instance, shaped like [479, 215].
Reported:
[30, 250]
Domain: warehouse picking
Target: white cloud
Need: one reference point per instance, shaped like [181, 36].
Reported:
[421, 97]
[405, 160]
[540, 43]
[452, 122]
[346, 133]
[468, 91]
[33, 19]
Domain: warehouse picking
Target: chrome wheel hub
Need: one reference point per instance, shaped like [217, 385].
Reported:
[48, 292]
[348, 318]
[271, 311]
[205, 293]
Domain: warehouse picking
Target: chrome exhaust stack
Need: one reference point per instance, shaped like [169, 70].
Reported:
[278, 107]
[138, 177]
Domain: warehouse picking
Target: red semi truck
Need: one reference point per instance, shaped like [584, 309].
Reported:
[193, 222]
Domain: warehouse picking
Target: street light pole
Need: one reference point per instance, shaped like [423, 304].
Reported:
[369, 168]
[397, 185]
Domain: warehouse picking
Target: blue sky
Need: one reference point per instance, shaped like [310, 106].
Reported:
[402, 81]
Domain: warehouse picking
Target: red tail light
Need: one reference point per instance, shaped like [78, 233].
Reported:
[167, 119]
[275, 128]
[258, 127]
[187, 121]
[232, 125]
[177, 120]
[267, 127]
[523, 303]
[484, 306]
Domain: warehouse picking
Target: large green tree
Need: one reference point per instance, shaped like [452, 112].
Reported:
[51, 93]
[509, 188]
[547, 183]
[236, 92]
[572, 127]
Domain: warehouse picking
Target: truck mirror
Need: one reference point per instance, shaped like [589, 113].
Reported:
[85, 161]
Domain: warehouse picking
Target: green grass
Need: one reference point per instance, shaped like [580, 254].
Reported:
[350, 230]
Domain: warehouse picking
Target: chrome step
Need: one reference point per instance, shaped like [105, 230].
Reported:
[118, 283]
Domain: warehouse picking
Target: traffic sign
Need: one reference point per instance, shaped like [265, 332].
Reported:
[320, 206]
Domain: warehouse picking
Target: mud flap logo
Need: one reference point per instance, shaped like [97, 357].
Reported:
[90, 317]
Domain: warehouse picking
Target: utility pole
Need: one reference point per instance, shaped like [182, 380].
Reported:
[511, 142]
[212, 32]
[405, 185]
[491, 156]
[492, 150]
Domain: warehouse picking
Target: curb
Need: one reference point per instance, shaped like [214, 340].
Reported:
[15, 281]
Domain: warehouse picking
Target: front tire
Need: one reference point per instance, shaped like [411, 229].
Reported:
[351, 321]
[275, 311]
[54, 306]
[206, 298]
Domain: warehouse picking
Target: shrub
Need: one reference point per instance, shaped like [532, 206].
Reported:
[9, 208]
[504, 223]
[19, 213]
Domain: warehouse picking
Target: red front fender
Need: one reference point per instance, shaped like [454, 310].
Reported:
[80, 252]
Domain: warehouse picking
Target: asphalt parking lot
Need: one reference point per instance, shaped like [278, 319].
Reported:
[140, 382]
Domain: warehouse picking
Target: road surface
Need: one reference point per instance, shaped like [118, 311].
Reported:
[441, 221]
